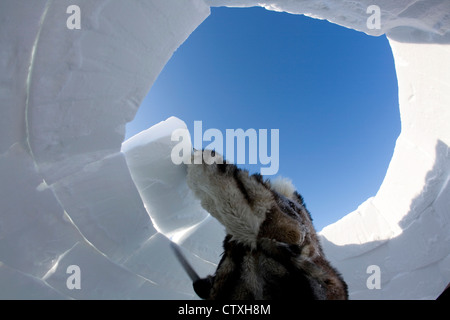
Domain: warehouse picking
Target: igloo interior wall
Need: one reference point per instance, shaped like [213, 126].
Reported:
[69, 195]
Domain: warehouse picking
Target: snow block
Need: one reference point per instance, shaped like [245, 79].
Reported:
[419, 246]
[366, 225]
[156, 262]
[194, 240]
[442, 204]
[104, 204]
[161, 183]
[78, 108]
[33, 227]
[408, 14]
[83, 273]
[406, 285]
[12, 283]
[16, 40]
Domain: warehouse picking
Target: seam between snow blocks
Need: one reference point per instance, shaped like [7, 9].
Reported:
[28, 81]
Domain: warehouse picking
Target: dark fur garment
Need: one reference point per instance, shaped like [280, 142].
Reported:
[271, 250]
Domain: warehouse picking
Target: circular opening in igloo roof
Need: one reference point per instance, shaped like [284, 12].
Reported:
[330, 91]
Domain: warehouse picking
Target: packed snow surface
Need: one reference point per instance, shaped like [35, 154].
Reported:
[72, 195]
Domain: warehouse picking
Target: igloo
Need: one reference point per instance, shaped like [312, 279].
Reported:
[72, 198]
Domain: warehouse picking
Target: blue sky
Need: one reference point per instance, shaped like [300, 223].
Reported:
[331, 92]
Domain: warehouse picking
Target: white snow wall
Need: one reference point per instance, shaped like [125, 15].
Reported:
[66, 193]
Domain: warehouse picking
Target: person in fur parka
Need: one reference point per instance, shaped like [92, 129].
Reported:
[271, 250]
